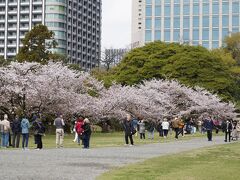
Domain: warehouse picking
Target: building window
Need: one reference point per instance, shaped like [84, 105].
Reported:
[167, 35]
[148, 36]
[235, 7]
[215, 34]
[215, 21]
[195, 21]
[195, 34]
[158, 11]
[176, 35]
[186, 35]
[225, 33]
[167, 22]
[158, 35]
[205, 21]
[186, 10]
[205, 34]
[195, 9]
[215, 44]
[158, 2]
[205, 9]
[235, 20]
[148, 10]
[167, 10]
[157, 23]
[148, 1]
[225, 7]
[215, 8]
[186, 22]
[148, 23]
[176, 22]
[225, 21]
[176, 9]
[205, 44]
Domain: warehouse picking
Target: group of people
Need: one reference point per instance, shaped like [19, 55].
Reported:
[135, 126]
[83, 131]
[12, 131]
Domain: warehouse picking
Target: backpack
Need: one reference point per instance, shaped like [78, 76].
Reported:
[79, 128]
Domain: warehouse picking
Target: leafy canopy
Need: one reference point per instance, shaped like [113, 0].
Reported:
[37, 44]
[192, 66]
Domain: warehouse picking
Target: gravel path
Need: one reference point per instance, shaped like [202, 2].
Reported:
[76, 164]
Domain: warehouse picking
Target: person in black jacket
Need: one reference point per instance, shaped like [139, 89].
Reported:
[227, 128]
[39, 131]
[16, 130]
[86, 133]
[208, 126]
[128, 129]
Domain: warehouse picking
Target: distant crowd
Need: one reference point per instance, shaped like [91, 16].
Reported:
[11, 131]
[138, 126]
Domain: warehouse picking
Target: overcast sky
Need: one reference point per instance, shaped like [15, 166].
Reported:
[116, 23]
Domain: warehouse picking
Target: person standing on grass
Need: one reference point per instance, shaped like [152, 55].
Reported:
[25, 125]
[128, 129]
[208, 126]
[227, 128]
[59, 124]
[39, 130]
[165, 127]
[181, 127]
[150, 129]
[79, 129]
[135, 124]
[6, 129]
[16, 130]
[142, 129]
[175, 124]
[86, 133]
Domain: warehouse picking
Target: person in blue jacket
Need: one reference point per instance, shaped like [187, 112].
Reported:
[25, 125]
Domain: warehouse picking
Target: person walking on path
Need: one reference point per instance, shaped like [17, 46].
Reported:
[16, 130]
[86, 133]
[25, 125]
[6, 129]
[59, 124]
[208, 126]
[165, 127]
[175, 126]
[128, 129]
[227, 128]
[142, 129]
[39, 131]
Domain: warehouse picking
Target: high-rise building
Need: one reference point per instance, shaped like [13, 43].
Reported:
[76, 24]
[194, 22]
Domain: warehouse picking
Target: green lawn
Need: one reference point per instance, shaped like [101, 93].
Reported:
[106, 140]
[215, 163]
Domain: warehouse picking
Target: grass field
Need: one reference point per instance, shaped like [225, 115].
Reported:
[105, 140]
[215, 163]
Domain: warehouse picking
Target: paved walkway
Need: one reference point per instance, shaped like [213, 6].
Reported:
[81, 164]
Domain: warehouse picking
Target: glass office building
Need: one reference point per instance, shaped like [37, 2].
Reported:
[194, 22]
[76, 24]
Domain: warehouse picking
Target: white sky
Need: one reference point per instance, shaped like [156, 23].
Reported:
[116, 23]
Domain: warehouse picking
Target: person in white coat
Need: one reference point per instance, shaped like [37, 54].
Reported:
[165, 127]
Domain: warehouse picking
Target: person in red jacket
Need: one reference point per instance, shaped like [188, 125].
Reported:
[79, 128]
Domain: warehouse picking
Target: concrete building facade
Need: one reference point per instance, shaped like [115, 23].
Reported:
[76, 24]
